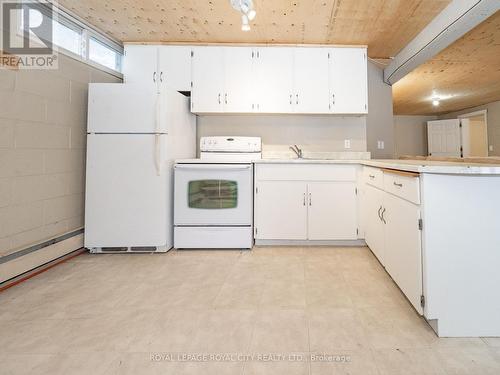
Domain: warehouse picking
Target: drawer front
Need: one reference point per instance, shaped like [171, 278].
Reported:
[403, 186]
[306, 172]
[374, 177]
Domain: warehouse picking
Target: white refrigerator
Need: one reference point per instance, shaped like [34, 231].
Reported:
[134, 135]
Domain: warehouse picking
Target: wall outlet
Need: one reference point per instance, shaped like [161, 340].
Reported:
[380, 145]
[491, 148]
[347, 143]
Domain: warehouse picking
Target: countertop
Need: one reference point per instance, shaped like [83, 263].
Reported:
[418, 166]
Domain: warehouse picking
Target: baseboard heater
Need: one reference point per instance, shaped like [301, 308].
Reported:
[124, 249]
[26, 260]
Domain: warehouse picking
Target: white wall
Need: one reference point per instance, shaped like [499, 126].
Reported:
[43, 122]
[410, 135]
[327, 133]
[379, 123]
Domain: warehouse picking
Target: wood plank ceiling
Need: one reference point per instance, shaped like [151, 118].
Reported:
[466, 74]
[384, 25]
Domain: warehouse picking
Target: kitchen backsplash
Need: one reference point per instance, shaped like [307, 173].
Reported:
[278, 132]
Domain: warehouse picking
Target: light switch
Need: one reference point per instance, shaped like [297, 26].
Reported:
[491, 148]
[347, 143]
[380, 145]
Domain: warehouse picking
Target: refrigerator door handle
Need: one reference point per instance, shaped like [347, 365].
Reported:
[158, 154]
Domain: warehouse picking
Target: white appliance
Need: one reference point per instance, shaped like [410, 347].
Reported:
[214, 195]
[134, 136]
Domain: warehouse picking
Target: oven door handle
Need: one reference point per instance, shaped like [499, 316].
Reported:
[213, 167]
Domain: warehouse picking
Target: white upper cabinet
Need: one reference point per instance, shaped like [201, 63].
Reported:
[140, 65]
[175, 67]
[274, 77]
[348, 80]
[239, 93]
[161, 66]
[208, 80]
[311, 86]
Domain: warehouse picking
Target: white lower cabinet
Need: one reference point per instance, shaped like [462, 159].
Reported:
[332, 211]
[403, 247]
[281, 210]
[374, 226]
[292, 203]
[393, 233]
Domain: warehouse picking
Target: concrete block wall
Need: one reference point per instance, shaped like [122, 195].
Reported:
[43, 121]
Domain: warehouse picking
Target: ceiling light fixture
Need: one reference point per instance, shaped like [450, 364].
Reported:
[247, 10]
[435, 102]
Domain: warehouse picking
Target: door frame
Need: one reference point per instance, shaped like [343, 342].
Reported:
[484, 113]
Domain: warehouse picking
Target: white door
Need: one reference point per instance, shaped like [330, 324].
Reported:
[348, 80]
[213, 194]
[274, 75]
[126, 198]
[207, 94]
[311, 88]
[403, 254]
[119, 108]
[374, 226]
[444, 138]
[332, 211]
[240, 85]
[281, 210]
[140, 65]
[175, 67]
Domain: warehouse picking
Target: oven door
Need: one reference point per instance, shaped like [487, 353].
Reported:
[213, 194]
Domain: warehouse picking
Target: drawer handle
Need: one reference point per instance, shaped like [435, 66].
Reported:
[304, 201]
[371, 176]
[398, 185]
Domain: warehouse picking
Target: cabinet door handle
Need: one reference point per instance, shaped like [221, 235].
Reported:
[154, 77]
[333, 99]
[380, 209]
[398, 185]
[383, 218]
[161, 77]
[297, 98]
[219, 99]
[225, 98]
[291, 100]
[310, 199]
[304, 201]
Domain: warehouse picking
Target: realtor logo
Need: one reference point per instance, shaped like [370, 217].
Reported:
[27, 35]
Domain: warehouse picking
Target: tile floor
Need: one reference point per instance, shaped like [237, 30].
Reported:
[111, 314]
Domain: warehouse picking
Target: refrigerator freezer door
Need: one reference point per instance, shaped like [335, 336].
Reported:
[123, 108]
[127, 199]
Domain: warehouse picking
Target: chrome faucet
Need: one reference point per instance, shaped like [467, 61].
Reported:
[297, 151]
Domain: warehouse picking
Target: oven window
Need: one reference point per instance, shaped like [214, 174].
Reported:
[213, 194]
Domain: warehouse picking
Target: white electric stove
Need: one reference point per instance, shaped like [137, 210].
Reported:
[213, 205]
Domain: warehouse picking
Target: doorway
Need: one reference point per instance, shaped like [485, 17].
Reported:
[475, 134]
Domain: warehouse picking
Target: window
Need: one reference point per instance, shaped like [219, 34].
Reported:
[104, 55]
[67, 38]
[73, 35]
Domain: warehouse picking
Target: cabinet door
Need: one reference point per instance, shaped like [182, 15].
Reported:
[239, 94]
[274, 75]
[348, 80]
[281, 210]
[208, 80]
[444, 138]
[140, 65]
[175, 67]
[403, 249]
[311, 88]
[374, 227]
[332, 211]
